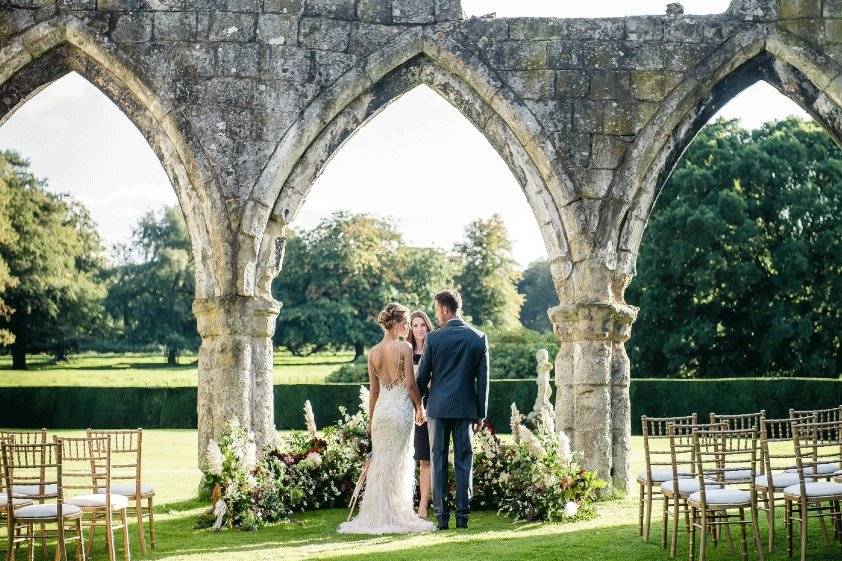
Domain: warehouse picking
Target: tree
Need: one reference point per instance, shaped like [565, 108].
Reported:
[422, 272]
[8, 236]
[739, 268]
[56, 258]
[488, 276]
[539, 296]
[335, 279]
[151, 290]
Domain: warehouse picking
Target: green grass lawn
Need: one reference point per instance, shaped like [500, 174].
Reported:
[148, 369]
[170, 465]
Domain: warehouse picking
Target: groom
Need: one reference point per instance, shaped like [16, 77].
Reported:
[456, 358]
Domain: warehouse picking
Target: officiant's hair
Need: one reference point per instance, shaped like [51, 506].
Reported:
[450, 299]
[392, 315]
[425, 318]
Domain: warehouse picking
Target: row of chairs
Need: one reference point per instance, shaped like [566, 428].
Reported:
[62, 481]
[713, 474]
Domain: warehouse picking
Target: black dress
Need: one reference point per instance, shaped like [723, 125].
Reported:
[422, 437]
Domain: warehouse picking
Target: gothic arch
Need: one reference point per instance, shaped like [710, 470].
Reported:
[35, 58]
[459, 77]
[795, 68]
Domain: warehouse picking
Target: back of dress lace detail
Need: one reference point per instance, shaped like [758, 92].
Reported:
[397, 380]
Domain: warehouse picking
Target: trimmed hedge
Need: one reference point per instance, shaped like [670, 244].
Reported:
[79, 407]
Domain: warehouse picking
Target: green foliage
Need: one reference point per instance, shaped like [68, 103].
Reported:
[56, 260]
[352, 372]
[488, 276]
[513, 352]
[340, 274]
[150, 293]
[739, 268]
[539, 294]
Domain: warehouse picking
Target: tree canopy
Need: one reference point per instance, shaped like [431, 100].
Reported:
[739, 267]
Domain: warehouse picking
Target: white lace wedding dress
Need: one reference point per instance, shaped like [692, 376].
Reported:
[386, 505]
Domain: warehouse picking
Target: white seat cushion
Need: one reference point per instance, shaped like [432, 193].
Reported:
[823, 469]
[817, 489]
[129, 489]
[779, 480]
[660, 475]
[736, 474]
[4, 500]
[722, 497]
[46, 511]
[34, 490]
[117, 501]
[687, 486]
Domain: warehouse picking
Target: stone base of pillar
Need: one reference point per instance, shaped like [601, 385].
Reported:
[236, 374]
[592, 398]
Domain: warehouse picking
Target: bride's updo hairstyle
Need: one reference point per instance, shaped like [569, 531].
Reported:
[392, 315]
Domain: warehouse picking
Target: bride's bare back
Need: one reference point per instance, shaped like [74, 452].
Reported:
[390, 362]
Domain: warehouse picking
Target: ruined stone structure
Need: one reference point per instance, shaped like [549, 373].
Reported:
[245, 100]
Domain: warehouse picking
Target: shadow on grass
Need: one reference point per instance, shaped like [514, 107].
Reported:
[112, 366]
[491, 537]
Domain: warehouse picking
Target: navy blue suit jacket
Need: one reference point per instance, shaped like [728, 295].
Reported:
[456, 359]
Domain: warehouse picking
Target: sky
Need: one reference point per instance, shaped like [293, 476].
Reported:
[415, 152]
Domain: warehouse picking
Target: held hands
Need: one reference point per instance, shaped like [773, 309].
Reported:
[478, 424]
[420, 416]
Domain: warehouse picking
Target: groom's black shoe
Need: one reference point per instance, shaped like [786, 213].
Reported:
[462, 523]
[443, 523]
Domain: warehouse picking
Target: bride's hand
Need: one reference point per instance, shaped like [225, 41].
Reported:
[420, 416]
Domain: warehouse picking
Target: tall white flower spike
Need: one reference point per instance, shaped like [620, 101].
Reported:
[250, 457]
[310, 419]
[514, 423]
[365, 399]
[564, 452]
[528, 437]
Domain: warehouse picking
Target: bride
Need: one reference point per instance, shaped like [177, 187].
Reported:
[386, 506]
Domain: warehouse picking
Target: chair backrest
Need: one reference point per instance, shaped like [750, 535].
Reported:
[740, 421]
[777, 449]
[34, 465]
[26, 436]
[682, 452]
[4, 440]
[719, 461]
[86, 464]
[831, 415]
[657, 429]
[126, 449]
[818, 449]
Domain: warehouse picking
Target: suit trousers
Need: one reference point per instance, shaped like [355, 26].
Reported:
[440, 432]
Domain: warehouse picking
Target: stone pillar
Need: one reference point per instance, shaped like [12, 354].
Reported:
[236, 376]
[592, 373]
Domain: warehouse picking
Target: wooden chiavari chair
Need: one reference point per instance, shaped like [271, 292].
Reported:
[87, 470]
[658, 464]
[4, 496]
[40, 465]
[30, 437]
[814, 448]
[682, 483]
[777, 453]
[718, 460]
[126, 478]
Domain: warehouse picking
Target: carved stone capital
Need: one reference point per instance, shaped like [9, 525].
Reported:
[594, 321]
[236, 315]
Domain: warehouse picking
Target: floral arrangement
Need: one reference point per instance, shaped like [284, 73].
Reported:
[533, 478]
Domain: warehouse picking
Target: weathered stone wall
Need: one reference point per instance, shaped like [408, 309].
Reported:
[244, 101]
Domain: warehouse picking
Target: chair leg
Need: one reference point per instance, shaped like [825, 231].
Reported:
[93, 532]
[125, 523]
[10, 532]
[664, 516]
[140, 531]
[647, 523]
[704, 536]
[803, 510]
[769, 502]
[150, 501]
[640, 503]
[788, 523]
[61, 543]
[692, 544]
[80, 541]
[823, 525]
[109, 539]
[675, 514]
[743, 541]
[755, 529]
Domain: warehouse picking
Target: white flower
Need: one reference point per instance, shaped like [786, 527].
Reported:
[315, 457]
[548, 422]
[564, 453]
[251, 480]
[535, 447]
[514, 422]
[214, 459]
[310, 419]
[365, 399]
[250, 456]
[571, 509]
[504, 477]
